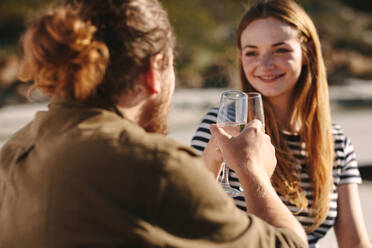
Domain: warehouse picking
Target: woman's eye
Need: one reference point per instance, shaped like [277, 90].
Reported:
[283, 50]
[251, 53]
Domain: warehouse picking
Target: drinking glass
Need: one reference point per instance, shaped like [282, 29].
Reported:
[255, 108]
[232, 117]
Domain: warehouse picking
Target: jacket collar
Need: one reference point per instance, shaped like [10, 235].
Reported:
[97, 102]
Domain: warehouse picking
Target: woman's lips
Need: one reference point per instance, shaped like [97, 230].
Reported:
[270, 78]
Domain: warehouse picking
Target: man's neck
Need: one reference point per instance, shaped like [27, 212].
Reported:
[131, 106]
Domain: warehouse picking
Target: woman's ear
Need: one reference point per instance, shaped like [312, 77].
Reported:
[152, 77]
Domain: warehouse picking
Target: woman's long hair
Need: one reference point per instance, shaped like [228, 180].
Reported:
[310, 111]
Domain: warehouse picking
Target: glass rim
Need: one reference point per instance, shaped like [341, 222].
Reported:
[253, 94]
[234, 94]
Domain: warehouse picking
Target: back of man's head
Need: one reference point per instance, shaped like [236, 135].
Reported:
[95, 47]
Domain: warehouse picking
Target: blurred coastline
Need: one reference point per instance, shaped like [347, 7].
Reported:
[205, 31]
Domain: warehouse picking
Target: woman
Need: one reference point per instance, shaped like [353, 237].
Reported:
[280, 56]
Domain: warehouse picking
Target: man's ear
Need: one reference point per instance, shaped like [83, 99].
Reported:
[152, 77]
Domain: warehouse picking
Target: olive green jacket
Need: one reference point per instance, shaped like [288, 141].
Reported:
[82, 175]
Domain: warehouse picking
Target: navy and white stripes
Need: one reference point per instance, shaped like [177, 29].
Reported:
[345, 170]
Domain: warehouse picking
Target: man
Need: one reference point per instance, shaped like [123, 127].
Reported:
[93, 170]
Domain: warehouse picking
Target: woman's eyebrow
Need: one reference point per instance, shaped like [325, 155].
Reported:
[274, 45]
[279, 44]
[249, 46]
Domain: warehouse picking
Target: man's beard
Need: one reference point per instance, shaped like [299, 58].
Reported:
[154, 117]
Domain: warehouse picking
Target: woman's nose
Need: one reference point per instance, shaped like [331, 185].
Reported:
[267, 61]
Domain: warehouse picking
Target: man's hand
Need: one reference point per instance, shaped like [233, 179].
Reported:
[249, 152]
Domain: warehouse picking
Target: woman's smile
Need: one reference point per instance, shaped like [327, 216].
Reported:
[270, 78]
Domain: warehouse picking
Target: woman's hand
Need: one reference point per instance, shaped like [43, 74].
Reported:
[212, 157]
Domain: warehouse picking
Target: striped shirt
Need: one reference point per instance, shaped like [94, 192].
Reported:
[345, 171]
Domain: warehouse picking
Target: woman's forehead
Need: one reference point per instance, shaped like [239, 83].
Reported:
[268, 31]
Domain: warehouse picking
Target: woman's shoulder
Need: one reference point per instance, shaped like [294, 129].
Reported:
[337, 129]
[211, 116]
[339, 134]
[202, 134]
[212, 112]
